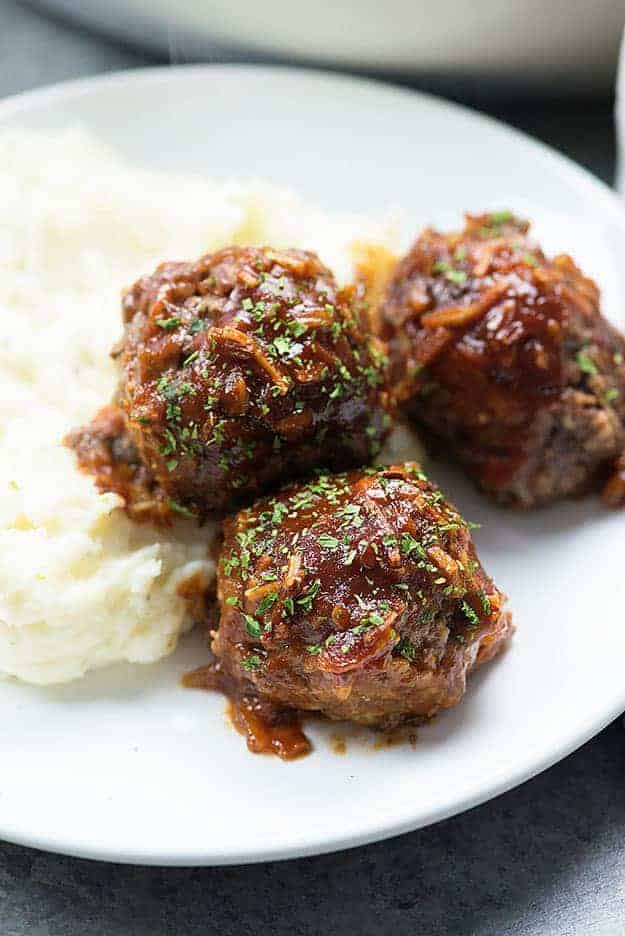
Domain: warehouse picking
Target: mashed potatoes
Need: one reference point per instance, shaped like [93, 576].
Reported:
[80, 585]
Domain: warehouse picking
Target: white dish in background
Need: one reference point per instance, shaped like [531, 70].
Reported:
[564, 42]
[620, 121]
[125, 765]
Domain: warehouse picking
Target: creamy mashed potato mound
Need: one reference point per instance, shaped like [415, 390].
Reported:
[81, 586]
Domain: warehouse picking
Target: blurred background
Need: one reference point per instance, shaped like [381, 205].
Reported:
[547, 67]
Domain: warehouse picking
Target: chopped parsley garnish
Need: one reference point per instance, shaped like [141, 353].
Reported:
[409, 545]
[282, 344]
[165, 386]
[306, 600]
[230, 564]
[499, 217]
[279, 510]
[167, 323]
[586, 364]
[407, 650]
[469, 613]
[351, 514]
[296, 328]
[455, 276]
[181, 509]
[218, 431]
[266, 603]
[252, 626]
[252, 662]
[485, 601]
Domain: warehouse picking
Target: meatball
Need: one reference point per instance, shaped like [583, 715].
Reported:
[245, 368]
[614, 490]
[105, 450]
[357, 595]
[503, 355]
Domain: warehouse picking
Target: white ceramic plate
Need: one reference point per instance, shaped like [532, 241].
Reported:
[126, 765]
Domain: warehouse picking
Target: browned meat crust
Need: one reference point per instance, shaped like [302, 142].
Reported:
[504, 355]
[356, 595]
[614, 490]
[105, 451]
[244, 369]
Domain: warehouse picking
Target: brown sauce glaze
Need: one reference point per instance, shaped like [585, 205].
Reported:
[614, 491]
[267, 729]
[356, 596]
[105, 451]
[244, 368]
[503, 354]
[200, 600]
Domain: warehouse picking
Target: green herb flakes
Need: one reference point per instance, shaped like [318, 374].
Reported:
[586, 364]
[252, 626]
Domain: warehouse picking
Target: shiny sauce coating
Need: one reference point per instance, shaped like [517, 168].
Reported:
[243, 369]
[487, 334]
[356, 595]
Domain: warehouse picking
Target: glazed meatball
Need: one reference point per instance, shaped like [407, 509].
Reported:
[503, 355]
[357, 595]
[105, 450]
[243, 369]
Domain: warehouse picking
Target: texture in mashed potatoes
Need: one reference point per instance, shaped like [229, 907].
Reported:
[81, 586]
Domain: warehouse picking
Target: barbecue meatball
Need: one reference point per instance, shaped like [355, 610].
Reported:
[246, 368]
[105, 450]
[504, 355]
[356, 595]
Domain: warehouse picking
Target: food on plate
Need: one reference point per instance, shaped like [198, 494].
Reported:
[356, 595]
[614, 489]
[105, 450]
[81, 585]
[503, 354]
[243, 369]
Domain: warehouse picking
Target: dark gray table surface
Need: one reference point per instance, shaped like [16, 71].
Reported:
[547, 858]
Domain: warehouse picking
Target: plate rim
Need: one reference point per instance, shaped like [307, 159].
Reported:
[579, 178]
